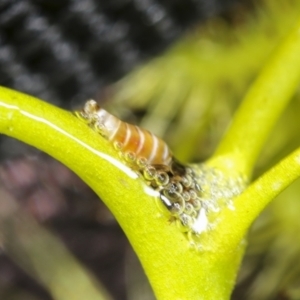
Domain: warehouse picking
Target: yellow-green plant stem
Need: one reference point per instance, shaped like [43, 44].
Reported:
[175, 270]
[256, 197]
[261, 107]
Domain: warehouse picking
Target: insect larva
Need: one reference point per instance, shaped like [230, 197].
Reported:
[178, 184]
[135, 142]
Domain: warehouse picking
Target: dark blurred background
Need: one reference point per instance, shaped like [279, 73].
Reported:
[65, 52]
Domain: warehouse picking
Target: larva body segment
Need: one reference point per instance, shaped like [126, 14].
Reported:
[126, 137]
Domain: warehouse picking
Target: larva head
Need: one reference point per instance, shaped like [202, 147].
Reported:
[90, 107]
[89, 112]
[103, 121]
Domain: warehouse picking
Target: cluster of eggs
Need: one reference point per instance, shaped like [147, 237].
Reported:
[183, 189]
[180, 193]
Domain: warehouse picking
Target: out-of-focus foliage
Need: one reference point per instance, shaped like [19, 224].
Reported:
[189, 95]
[201, 80]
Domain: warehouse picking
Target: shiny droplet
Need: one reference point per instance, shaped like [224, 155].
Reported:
[118, 146]
[175, 204]
[177, 208]
[186, 220]
[170, 191]
[187, 181]
[130, 157]
[162, 178]
[175, 187]
[197, 204]
[149, 173]
[186, 196]
[100, 128]
[142, 162]
[189, 209]
[193, 194]
[188, 170]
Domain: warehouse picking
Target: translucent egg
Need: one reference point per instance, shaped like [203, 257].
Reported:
[149, 173]
[130, 157]
[162, 178]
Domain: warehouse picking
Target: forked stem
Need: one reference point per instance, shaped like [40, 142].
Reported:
[261, 108]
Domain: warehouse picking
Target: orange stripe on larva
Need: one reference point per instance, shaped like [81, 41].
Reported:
[128, 133]
[141, 140]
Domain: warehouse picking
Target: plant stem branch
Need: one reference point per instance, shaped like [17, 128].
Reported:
[175, 270]
[261, 108]
[256, 197]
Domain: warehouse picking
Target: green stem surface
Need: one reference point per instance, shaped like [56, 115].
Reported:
[174, 268]
[255, 198]
[261, 108]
